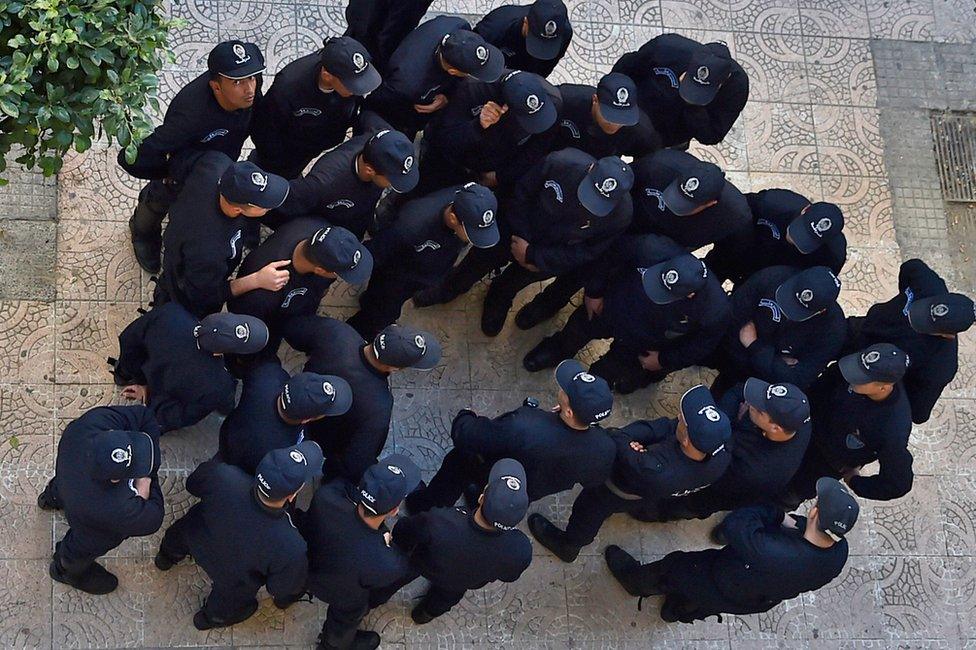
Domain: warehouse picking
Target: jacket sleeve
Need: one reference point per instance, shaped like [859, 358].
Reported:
[637, 64]
[894, 478]
[923, 280]
[524, 201]
[619, 255]
[711, 124]
[361, 451]
[481, 435]
[747, 529]
[132, 350]
[123, 418]
[173, 414]
[560, 258]
[304, 333]
[768, 363]
[202, 477]
[647, 432]
[924, 391]
[386, 246]
[288, 575]
[696, 347]
[412, 533]
[204, 281]
[304, 195]
[152, 159]
[142, 516]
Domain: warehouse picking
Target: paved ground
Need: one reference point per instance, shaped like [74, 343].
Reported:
[841, 93]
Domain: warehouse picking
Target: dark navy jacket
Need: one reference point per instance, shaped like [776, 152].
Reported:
[502, 27]
[576, 128]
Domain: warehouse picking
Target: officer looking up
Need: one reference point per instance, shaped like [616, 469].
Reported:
[532, 38]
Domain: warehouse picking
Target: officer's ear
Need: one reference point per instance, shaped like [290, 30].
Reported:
[452, 219]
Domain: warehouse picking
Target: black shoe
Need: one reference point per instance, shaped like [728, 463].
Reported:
[148, 251]
[493, 317]
[534, 313]
[554, 539]
[95, 580]
[624, 567]
[435, 295]
[202, 622]
[547, 354]
[364, 640]
[717, 536]
[420, 615]
[630, 383]
[164, 562]
[46, 502]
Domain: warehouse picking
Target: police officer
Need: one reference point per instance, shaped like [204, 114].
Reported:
[786, 326]
[457, 549]
[770, 434]
[344, 185]
[274, 409]
[860, 414]
[351, 556]
[173, 363]
[419, 248]
[661, 306]
[787, 229]
[924, 320]
[656, 460]
[690, 89]
[532, 38]
[353, 441]
[316, 254]
[422, 72]
[766, 558]
[687, 199]
[310, 106]
[211, 113]
[381, 25]
[241, 534]
[559, 447]
[105, 481]
[203, 239]
[490, 132]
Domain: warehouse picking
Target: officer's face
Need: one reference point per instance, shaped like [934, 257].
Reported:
[379, 180]
[871, 389]
[327, 80]
[607, 127]
[236, 93]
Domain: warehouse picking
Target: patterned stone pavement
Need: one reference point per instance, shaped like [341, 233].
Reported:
[839, 109]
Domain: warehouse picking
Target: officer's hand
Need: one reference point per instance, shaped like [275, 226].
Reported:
[273, 276]
[519, 248]
[748, 334]
[142, 486]
[638, 447]
[489, 179]
[440, 100]
[650, 360]
[790, 361]
[137, 393]
[491, 113]
[594, 306]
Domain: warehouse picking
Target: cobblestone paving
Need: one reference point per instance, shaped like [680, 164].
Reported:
[840, 90]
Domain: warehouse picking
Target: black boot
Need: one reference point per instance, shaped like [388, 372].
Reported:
[547, 354]
[554, 539]
[435, 295]
[717, 536]
[46, 499]
[624, 568]
[420, 615]
[96, 579]
[535, 312]
[364, 640]
[147, 249]
[494, 313]
[164, 562]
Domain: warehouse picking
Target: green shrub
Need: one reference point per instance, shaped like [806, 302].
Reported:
[69, 68]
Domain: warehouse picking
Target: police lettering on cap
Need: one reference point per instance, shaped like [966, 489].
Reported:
[693, 188]
[548, 26]
[949, 313]
[786, 404]
[816, 224]
[475, 206]
[309, 395]
[529, 98]
[589, 395]
[385, 484]
[393, 156]
[244, 183]
[837, 509]
[617, 96]
[608, 180]
[807, 293]
[674, 279]
[336, 249]
[402, 346]
[506, 495]
[468, 52]
[710, 67]
[708, 428]
[283, 472]
[882, 362]
[235, 60]
[349, 60]
[227, 333]
[120, 455]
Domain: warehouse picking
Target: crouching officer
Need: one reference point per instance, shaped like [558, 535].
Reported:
[458, 549]
[173, 363]
[274, 409]
[420, 247]
[241, 534]
[656, 460]
[105, 481]
[766, 558]
[533, 38]
[559, 447]
[351, 560]
[860, 414]
[924, 320]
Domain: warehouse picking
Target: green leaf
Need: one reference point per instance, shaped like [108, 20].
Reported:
[61, 113]
[9, 107]
[14, 441]
[72, 62]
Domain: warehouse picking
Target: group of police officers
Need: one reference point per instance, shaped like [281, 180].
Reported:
[523, 181]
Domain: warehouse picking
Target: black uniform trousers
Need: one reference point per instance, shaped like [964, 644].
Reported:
[459, 469]
[342, 619]
[438, 599]
[154, 201]
[478, 263]
[225, 605]
[73, 553]
[382, 301]
[591, 508]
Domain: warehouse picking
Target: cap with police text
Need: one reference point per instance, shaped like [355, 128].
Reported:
[393, 155]
[245, 183]
[949, 313]
[548, 25]
[837, 509]
[710, 67]
[674, 279]
[881, 362]
[617, 96]
[817, 223]
[385, 484]
[120, 455]
[336, 249]
[608, 180]
[235, 60]
[227, 333]
[786, 404]
[310, 395]
[807, 293]
[589, 395]
[282, 472]
[702, 183]
[708, 428]
[506, 497]
[349, 60]
[402, 346]
[529, 100]
[471, 54]
[475, 207]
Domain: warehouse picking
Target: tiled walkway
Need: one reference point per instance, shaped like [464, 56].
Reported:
[840, 93]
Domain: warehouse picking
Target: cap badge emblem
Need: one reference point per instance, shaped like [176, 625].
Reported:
[420, 342]
[481, 52]
[241, 54]
[487, 218]
[776, 390]
[242, 332]
[710, 413]
[260, 180]
[296, 456]
[669, 278]
[940, 310]
[607, 186]
[396, 470]
[513, 483]
[690, 185]
[585, 377]
[328, 389]
[871, 357]
[356, 256]
[120, 455]
[623, 97]
[701, 75]
[533, 103]
[822, 226]
[805, 297]
[359, 61]
[550, 29]
[407, 164]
